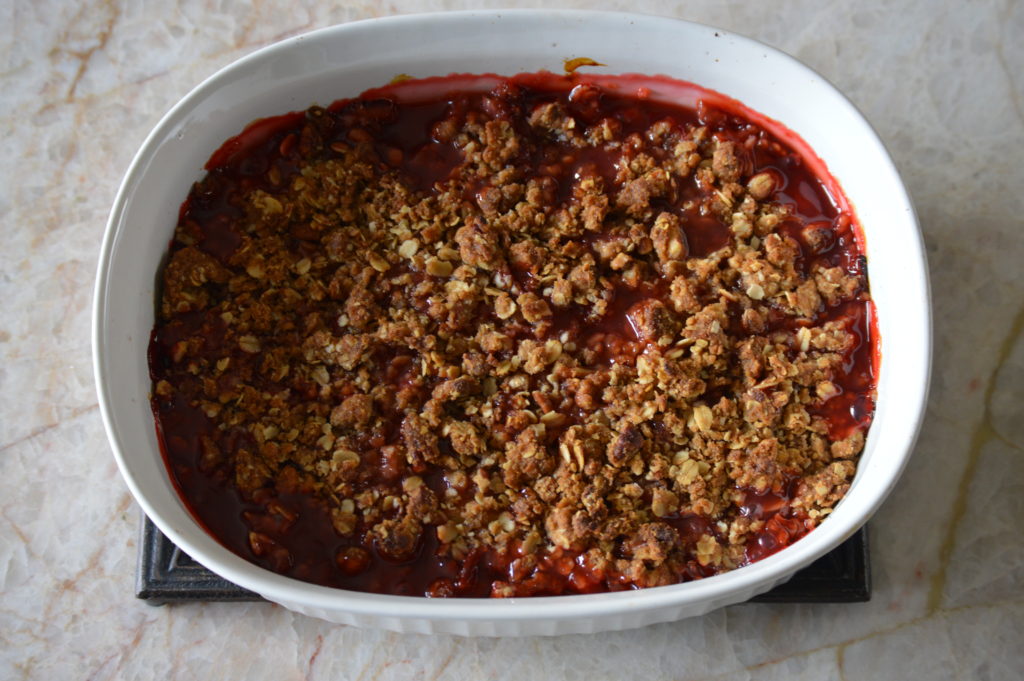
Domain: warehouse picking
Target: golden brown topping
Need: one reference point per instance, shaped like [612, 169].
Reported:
[668, 237]
[534, 307]
[761, 186]
[547, 334]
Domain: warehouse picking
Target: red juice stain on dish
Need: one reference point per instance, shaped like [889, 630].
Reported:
[291, 532]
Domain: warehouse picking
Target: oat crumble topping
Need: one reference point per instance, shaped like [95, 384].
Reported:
[525, 342]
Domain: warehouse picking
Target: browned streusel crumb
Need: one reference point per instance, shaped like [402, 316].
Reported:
[557, 344]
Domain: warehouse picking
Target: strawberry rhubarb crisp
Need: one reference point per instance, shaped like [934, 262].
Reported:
[545, 338]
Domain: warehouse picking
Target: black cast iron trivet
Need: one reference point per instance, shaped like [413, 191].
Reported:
[166, 574]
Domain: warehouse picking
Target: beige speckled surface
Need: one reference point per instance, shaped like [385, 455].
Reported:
[943, 83]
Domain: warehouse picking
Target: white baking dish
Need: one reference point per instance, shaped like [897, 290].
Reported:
[342, 61]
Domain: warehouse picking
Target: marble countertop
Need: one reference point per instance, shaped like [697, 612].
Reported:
[83, 83]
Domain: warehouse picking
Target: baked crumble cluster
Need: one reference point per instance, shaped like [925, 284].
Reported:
[543, 349]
